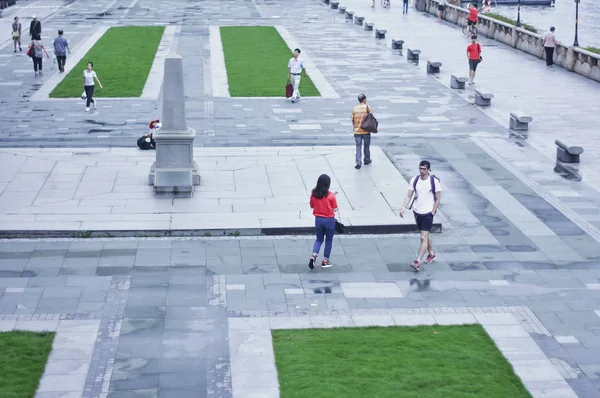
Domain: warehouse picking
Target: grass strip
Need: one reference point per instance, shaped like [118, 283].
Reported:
[22, 361]
[423, 361]
[595, 50]
[510, 21]
[256, 59]
[122, 59]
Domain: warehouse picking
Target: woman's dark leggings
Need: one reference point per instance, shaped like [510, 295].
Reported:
[89, 93]
[37, 64]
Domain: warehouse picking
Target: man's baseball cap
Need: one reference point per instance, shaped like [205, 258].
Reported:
[34, 16]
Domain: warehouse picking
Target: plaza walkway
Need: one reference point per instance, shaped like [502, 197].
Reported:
[518, 239]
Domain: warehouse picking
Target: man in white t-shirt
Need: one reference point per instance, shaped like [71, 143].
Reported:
[428, 194]
[295, 68]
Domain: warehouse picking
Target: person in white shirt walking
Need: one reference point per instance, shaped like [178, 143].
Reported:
[428, 193]
[295, 70]
[88, 85]
[550, 43]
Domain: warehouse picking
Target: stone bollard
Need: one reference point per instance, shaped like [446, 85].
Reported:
[397, 44]
[458, 82]
[334, 5]
[519, 121]
[483, 98]
[359, 20]
[380, 33]
[412, 55]
[566, 153]
[433, 67]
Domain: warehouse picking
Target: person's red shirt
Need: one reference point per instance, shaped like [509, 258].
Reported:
[474, 51]
[323, 207]
[473, 12]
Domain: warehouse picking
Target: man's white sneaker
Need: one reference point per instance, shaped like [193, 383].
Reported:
[87, 109]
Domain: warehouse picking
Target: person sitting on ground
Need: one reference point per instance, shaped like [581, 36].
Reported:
[147, 141]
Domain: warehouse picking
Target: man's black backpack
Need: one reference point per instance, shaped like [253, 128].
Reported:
[146, 142]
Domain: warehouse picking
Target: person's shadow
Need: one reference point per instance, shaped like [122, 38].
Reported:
[420, 284]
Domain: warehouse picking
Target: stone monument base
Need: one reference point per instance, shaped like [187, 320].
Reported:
[181, 181]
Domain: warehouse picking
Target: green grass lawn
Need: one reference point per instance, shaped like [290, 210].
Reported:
[122, 59]
[423, 361]
[23, 357]
[256, 59]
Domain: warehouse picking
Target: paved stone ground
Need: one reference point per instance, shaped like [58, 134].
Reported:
[164, 304]
[516, 233]
[243, 191]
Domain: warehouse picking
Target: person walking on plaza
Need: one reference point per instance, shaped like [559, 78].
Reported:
[404, 6]
[324, 205]
[550, 43]
[37, 54]
[16, 33]
[428, 193]
[61, 46]
[35, 28]
[295, 68]
[362, 138]
[474, 57]
[88, 85]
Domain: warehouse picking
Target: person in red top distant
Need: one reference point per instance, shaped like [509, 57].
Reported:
[324, 205]
[474, 56]
[473, 15]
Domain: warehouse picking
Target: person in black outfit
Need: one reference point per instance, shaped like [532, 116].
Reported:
[35, 28]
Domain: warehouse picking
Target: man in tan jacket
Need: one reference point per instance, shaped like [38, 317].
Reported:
[361, 137]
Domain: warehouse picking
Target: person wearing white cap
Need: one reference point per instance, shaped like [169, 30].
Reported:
[35, 28]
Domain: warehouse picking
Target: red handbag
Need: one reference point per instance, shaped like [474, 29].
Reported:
[289, 90]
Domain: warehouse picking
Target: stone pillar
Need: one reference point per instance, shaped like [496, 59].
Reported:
[174, 172]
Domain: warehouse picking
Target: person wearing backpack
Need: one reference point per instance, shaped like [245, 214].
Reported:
[146, 141]
[428, 193]
[324, 205]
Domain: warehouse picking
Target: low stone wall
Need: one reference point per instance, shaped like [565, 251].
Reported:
[574, 59]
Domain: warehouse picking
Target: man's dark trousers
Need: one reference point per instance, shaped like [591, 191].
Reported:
[61, 59]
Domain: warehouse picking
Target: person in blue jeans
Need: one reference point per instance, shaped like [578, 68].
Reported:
[324, 204]
[404, 6]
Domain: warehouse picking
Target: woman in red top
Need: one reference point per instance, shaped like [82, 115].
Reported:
[323, 204]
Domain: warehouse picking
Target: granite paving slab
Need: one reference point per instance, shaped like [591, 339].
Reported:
[243, 190]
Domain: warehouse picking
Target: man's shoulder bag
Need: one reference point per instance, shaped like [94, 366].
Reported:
[369, 123]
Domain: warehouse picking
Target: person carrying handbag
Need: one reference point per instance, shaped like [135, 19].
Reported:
[36, 52]
[16, 33]
[324, 205]
[364, 123]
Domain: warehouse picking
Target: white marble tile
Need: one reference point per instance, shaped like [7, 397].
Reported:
[371, 290]
[567, 339]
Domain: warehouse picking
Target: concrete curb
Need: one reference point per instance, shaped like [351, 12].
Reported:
[389, 229]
